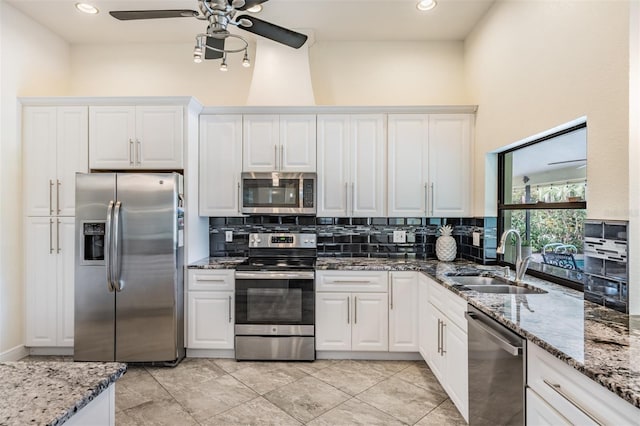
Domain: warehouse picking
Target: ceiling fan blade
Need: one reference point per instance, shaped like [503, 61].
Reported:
[218, 43]
[128, 15]
[248, 4]
[272, 31]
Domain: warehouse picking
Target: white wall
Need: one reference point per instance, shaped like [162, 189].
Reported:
[34, 61]
[634, 155]
[532, 65]
[343, 73]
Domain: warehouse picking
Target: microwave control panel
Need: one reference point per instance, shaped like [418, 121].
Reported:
[308, 195]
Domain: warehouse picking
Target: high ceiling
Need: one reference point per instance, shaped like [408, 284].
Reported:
[329, 20]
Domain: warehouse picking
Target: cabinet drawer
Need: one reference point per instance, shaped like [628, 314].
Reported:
[452, 305]
[576, 397]
[207, 279]
[350, 281]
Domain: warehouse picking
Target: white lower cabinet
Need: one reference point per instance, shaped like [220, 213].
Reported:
[557, 394]
[403, 311]
[49, 281]
[210, 309]
[445, 340]
[351, 311]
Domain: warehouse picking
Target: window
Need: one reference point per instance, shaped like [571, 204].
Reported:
[542, 193]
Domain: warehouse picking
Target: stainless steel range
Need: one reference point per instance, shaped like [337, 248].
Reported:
[275, 298]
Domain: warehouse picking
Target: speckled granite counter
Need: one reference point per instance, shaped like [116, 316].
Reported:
[51, 392]
[216, 263]
[601, 343]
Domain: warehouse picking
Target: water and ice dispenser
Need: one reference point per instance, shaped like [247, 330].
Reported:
[93, 242]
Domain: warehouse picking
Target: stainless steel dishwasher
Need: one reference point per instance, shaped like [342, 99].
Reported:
[496, 372]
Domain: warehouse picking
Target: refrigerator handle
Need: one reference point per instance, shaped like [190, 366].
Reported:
[117, 283]
[107, 244]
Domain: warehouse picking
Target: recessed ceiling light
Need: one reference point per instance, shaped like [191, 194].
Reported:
[87, 8]
[424, 5]
[255, 9]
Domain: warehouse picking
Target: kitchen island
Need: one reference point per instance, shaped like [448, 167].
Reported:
[52, 393]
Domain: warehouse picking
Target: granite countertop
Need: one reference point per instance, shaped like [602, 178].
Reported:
[216, 263]
[601, 343]
[41, 392]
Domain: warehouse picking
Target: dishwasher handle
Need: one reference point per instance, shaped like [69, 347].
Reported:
[494, 335]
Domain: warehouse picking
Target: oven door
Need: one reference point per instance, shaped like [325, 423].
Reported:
[275, 303]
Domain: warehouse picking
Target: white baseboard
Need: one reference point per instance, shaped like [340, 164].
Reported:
[56, 351]
[211, 353]
[363, 355]
[14, 354]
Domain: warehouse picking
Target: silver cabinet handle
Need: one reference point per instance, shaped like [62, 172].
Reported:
[391, 295]
[139, 153]
[50, 236]
[107, 246]
[442, 326]
[239, 198]
[50, 196]
[346, 198]
[58, 236]
[349, 281]
[281, 157]
[426, 198]
[353, 197]
[119, 285]
[58, 184]
[229, 309]
[439, 344]
[432, 198]
[348, 309]
[557, 388]
[275, 156]
[131, 152]
[355, 309]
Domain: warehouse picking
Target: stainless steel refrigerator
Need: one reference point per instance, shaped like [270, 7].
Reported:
[129, 298]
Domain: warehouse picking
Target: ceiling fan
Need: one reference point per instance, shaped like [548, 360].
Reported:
[219, 14]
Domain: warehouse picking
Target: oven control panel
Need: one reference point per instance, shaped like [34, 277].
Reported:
[282, 240]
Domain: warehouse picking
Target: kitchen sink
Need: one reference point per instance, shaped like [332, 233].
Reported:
[484, 284]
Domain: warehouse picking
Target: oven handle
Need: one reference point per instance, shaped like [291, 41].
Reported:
[274, 275]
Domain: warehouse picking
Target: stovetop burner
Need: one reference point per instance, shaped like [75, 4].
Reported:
[276, 264]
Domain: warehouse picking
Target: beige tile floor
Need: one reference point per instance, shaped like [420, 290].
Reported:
[335, 392]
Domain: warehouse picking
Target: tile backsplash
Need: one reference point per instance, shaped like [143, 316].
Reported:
[360, 237]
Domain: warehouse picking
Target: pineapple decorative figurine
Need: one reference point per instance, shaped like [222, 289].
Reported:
[446, 244]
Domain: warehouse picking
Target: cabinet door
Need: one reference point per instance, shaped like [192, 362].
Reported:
[403, 312]
[333, 321]
[72, 155]
[40, 281]
[423, 318]
[297, 143]
[539, 413]
[450, 153]
[159, 137]
[457, 380]
[261, 143]
[333, 165]
[370, 329]
[435, 358]
[368, 165]
[39, 153]
[65, 248]
[220, 165]
[112, 137]
[210, 320]
[407, 164]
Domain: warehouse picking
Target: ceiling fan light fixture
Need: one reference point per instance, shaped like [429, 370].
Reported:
[255, 9]
[245, 61]
[87, 8]
[425, 5]
[223, 64]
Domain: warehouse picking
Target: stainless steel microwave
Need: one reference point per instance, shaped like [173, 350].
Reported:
[278, 193]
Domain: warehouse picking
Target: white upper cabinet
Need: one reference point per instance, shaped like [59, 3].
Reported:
[220, 165]
[284, 143]
[351, 165]
[407, 165]
[136, 137]
[450, 153]
[55, 149]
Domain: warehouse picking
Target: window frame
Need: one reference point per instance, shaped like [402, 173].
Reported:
[503, 207]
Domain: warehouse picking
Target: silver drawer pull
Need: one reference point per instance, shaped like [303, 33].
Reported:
[350, 281]
[558, 389]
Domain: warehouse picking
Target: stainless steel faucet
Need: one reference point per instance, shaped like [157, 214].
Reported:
[521, 264]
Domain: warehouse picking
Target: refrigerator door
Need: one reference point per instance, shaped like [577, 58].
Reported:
[94, 298]
[145, 268]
